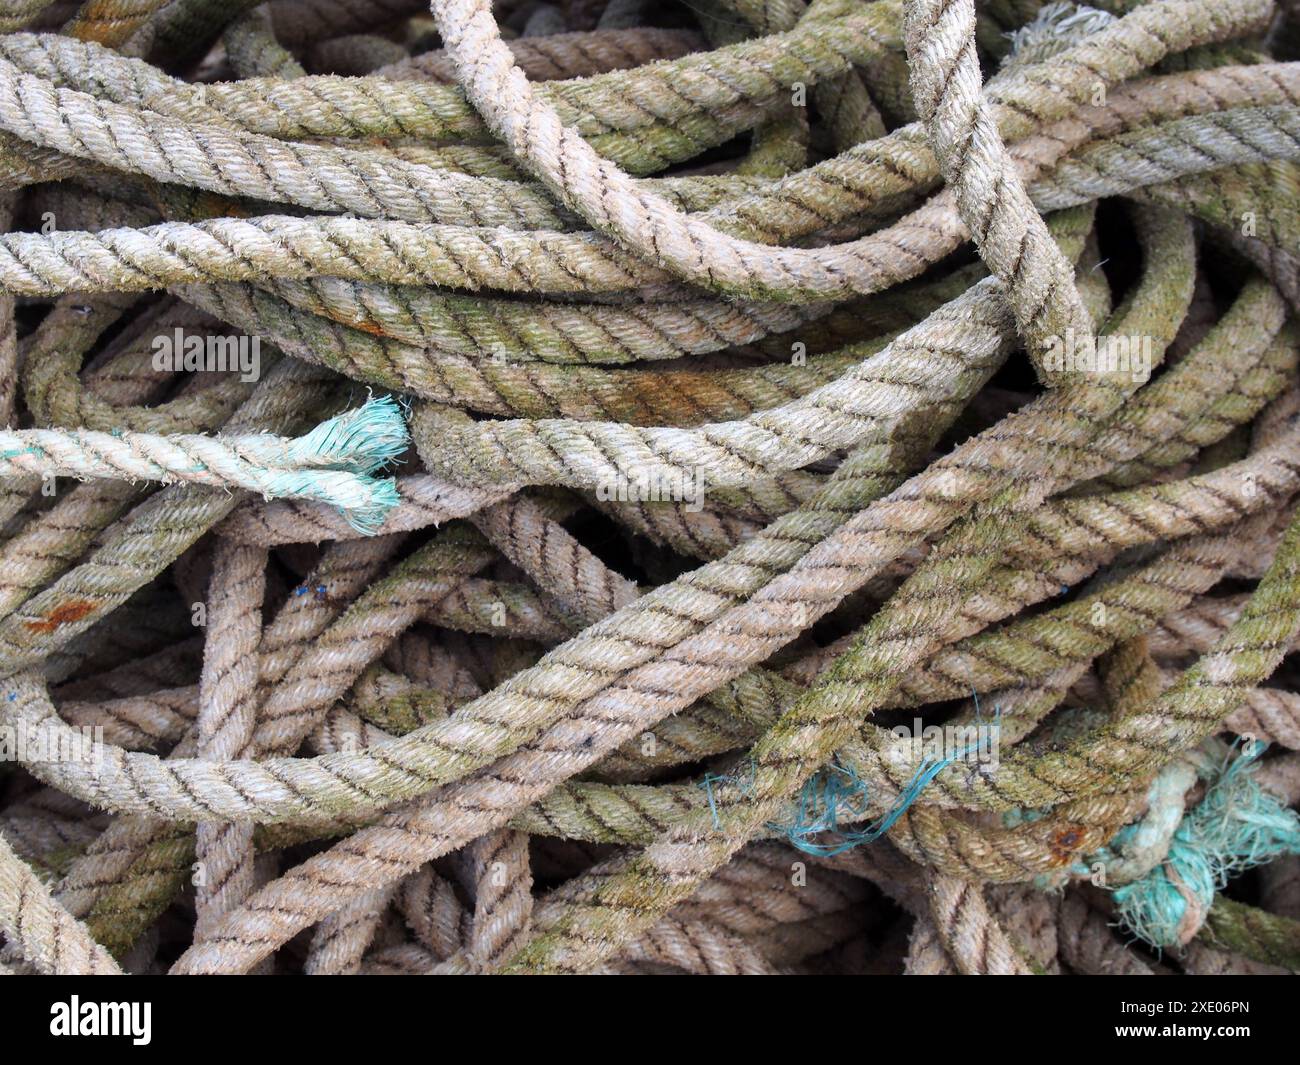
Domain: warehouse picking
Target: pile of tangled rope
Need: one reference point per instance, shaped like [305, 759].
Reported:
[728, 486]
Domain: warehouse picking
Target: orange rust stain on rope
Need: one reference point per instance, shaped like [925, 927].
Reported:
[1065, 842]
[97, 30]
[65, 614]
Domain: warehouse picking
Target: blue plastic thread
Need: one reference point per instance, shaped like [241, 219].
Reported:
[1236, 826]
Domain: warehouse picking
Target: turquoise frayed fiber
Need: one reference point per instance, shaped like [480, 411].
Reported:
[1141, 846]
[832, 796]
[799, 832]
[836, 795]
[1236, 826]
[337, 458]
[361, 440]
[364, 501]
[383, 498]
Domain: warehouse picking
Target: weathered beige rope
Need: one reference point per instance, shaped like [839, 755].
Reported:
[712, 466]
[41, 930]
[227, 719]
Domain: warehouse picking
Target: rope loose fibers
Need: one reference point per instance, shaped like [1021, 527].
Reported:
[331, 464]
[756, 393]
[1234, 827]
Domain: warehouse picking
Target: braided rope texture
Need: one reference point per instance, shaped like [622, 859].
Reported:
[622, 488]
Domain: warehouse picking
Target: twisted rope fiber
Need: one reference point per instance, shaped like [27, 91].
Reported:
[331, 463]
[829, 192]
[246, 249]
[696, 663]
[499, 376]
[640, 915]
[1231, 514]
[44, 932]
[298, 249]
[346, 570]
[550, 689]
[308, 791]
[227, 718]
[1010, 235]
[165, 525]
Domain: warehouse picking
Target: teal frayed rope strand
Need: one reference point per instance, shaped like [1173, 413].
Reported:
[1235, 827]
[332, 464]
[835, 796]
[831, 798]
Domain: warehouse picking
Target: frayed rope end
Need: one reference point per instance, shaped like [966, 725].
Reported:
[1058, 27]
[364, 501]
[361, 440]
[831, 797]
[1236, 826]
[369, 518]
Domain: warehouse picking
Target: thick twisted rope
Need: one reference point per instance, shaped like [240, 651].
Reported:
[523, 728]
[331, 464]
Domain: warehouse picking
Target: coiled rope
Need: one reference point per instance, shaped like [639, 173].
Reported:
[816, 443]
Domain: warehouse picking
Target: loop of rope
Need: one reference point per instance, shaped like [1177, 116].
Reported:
[761, 379]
